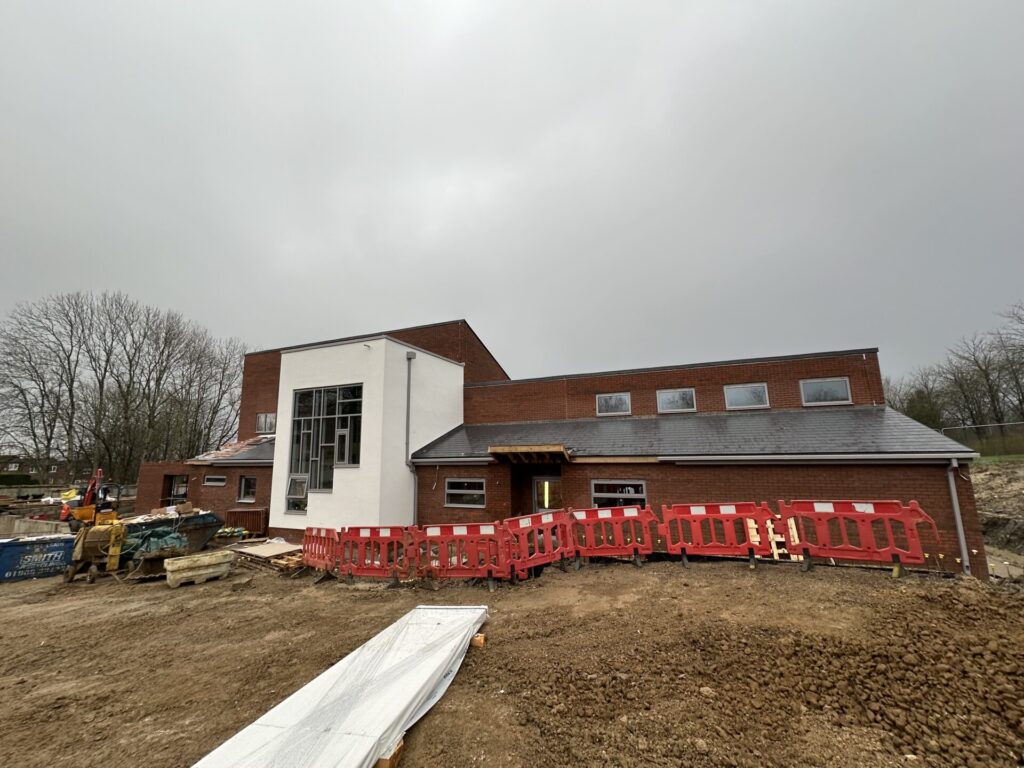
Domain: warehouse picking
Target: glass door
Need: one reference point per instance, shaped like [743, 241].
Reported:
[547, 494]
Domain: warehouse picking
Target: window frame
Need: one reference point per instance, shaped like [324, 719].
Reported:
[767, 398]
[320, 419]
[269, 416]
[482, 491]
[849, 392]
[657, 400]
[629, 403]
[594, 495]
[242, 499]
[215, 481]
[289, 496]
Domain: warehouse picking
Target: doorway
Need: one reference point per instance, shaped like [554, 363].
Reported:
[547, 493]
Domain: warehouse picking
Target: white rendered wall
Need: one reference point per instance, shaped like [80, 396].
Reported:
[380, 490]
[436, 408]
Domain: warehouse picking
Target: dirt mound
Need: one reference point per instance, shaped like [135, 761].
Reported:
[999, 492]
[714, 665]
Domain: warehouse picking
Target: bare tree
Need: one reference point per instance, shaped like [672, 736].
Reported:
[102, 380]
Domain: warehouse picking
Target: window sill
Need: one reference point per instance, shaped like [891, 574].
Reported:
[295, 512]
[245, 501]
[627, 413]
[320, 490]
[465, 506]
[346, 466]
[819, 405]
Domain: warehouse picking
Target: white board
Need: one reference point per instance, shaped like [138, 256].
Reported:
[357, 711]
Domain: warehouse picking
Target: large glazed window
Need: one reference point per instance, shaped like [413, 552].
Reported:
[326, 429]
[619, 493]
[465, 492]
[826, 391]
[741, 396]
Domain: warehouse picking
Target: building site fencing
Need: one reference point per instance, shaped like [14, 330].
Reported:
[741, 529]
[860, 531]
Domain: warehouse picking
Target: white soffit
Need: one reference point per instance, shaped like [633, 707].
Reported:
[358, 710]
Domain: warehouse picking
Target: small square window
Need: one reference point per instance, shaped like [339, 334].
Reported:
[613, 404]
[677, 400]
[247, 489]
[826, 391]
[266, 423]
[465, 492]
[215, 480]
[739, 397]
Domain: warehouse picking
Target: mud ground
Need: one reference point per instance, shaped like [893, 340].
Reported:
[999, 493]
[715, 665]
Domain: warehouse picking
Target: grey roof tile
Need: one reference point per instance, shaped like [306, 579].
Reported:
[811, 431]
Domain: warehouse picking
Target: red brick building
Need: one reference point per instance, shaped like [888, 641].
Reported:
[811, 426]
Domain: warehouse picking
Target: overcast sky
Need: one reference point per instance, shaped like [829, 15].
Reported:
[592, 185]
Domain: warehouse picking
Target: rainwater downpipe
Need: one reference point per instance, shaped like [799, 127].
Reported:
[965, 555]
[409, 357]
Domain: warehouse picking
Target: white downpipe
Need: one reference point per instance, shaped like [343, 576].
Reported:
[409, 357]
[965, 555]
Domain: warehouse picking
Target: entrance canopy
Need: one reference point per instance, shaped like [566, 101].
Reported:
[530, 454]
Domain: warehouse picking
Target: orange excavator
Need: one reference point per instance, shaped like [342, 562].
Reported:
[92, 510]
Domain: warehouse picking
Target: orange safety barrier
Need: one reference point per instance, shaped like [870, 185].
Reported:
[613, 532]
[736, 529]
[539, 539]
[380, 552]
[320, 548]
[469, 551]
[877, 531]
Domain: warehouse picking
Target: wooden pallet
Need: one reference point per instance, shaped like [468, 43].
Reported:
[287, 563]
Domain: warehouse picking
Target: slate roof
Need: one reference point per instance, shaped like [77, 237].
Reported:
[257, 450]
[849, 430]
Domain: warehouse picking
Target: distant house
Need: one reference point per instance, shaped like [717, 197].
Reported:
[423, 425]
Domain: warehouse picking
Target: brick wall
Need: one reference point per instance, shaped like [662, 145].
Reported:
[667, 484]
[212, 498]
[261, 373]
[575, 397]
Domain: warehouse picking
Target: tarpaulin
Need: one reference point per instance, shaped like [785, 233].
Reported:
[358, 710]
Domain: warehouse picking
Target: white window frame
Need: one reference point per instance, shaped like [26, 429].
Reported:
[270, 417]
[215, 481]
[642, 495]
[12, 467]
[53, 469]
[849, 392]
[289, 496]
[482, 491]
[241, 484]
[767, 399]
[657, 394]
[629, 403]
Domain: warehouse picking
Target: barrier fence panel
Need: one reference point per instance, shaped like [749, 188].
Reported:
[539, 539]
[470, 551]
[737, 529]
[379, 552]
[320, 548]
[613, 532]
[876, 531]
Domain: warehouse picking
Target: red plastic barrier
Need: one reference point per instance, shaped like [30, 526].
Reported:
[878, 531]
[613, 532]
[539, 539]
[380, 552]
[320, 548]
[468, 551]
[736, 529]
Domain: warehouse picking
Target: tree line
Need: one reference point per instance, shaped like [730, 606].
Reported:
[100, 380]
[981, 381]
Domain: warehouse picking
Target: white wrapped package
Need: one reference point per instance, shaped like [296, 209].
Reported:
[358, 710]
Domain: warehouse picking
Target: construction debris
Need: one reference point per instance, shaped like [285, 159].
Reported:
[275, 555]
[198, 568]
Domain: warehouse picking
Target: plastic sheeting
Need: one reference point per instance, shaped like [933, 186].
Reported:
[358, 710]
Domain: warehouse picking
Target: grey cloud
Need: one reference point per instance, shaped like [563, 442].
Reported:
[592, 185]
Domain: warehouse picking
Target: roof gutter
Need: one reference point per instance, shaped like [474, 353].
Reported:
[805, 458]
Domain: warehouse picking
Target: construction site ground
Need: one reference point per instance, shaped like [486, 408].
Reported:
[714, 665]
